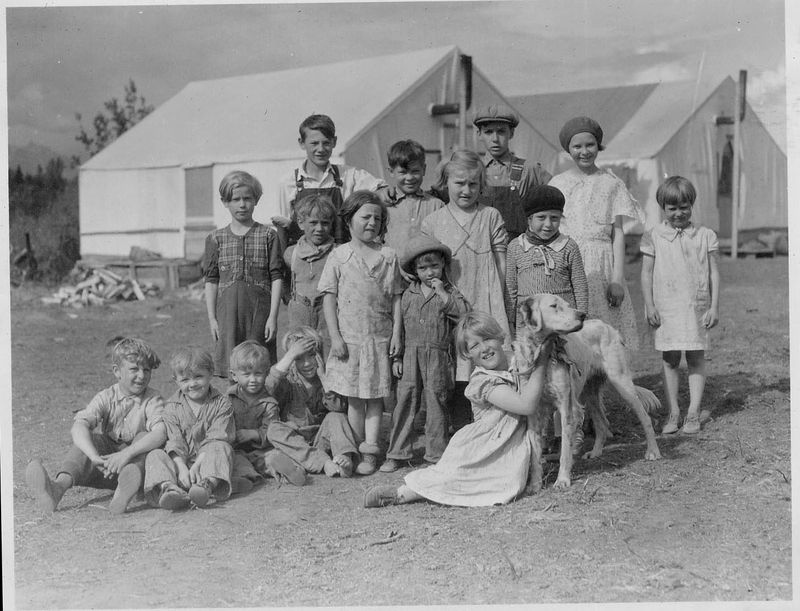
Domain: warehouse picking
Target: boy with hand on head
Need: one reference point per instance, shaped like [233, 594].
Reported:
[508, 177]
[317, 175]
[430, 307]
[196, 462]
[111, 436]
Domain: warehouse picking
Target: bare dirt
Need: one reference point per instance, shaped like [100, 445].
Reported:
[711, 521]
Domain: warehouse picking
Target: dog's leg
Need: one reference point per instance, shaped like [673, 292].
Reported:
[535, 471]
[593, 401]
[628, 392]
[563, 398]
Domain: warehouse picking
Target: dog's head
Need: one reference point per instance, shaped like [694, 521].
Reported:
[547, 314]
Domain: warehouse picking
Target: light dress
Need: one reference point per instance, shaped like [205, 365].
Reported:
[364, 296]
[487, 461]
[593, 202]
[681, 283]
[473, 269]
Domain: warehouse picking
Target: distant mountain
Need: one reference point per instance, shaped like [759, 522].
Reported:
[32, 155]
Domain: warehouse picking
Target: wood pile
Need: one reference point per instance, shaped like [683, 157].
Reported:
[97, 285]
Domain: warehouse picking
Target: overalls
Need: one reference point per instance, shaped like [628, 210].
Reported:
[506, 199]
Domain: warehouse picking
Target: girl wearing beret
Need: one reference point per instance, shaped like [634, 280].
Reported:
[596, 203]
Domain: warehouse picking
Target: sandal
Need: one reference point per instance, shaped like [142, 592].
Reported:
[691, 426]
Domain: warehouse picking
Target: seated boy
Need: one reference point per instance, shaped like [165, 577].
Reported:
[253, 411]
[317, 175]
[111, 436]
[196, 462]
[409, 204]
[313, 423]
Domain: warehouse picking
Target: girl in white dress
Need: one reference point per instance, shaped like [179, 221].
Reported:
[487, 461]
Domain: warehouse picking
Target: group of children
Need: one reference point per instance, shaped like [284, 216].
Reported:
[389, 287]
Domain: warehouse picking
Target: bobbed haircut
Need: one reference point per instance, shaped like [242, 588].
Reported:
[675, 190]
[133, 350]
[239, 178]
[356, 200]
[318, 202]
[463, 160]
[191, 360]
[321, 123]
[303, 332]
[477, 323]
[405, 152]
[249, 356]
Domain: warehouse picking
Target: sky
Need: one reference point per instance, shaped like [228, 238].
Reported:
[63, 60]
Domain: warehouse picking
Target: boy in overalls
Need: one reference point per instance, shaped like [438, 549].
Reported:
[508, 177]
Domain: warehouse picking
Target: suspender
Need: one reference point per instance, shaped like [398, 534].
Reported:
[298, 180]
[515, 174]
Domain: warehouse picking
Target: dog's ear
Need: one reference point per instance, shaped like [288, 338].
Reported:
[531, 313]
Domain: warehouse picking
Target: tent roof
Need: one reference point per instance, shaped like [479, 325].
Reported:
[255, 117]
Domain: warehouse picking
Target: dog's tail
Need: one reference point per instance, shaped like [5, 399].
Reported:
[651, 403]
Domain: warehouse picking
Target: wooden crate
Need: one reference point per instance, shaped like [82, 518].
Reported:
[169, 274]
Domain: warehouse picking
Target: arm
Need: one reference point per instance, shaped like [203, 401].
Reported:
[650, 312]
[276, 268]
[211, 308]
[151, 440]
[524, 402]
[82, 438]
[580, 286]
[211, 275]
[511, 290]
[614, 292]
[711, 317]
[397, 359]
[396, 343]
[338, 347]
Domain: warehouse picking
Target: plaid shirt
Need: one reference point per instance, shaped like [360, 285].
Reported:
[253, 258]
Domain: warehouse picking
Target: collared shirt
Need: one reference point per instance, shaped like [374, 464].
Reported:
[405, 217]
[303, 402]
[498, 173]
[427, 321]
[306, 262]
[353, 179]
[187, 433]
[255, 413]
[121, 417]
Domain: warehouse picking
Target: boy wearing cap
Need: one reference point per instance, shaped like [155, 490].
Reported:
[508, 177]
[431, 307]
[542, 260]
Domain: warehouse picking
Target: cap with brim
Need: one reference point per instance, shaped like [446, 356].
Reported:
[419, 244]
[495, 112]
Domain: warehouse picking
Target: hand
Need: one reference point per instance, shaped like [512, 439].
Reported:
[212, 322]
[653, 317]
[438, 286]
[338, 347]
[114, 462]
[397, 369]
[99, 463]
[710, 318]
[300, 347]
[410, 278]
[194, 472]
[385, 196]
[615, 294]
[281, 221]
[270, 328]
[395, 346]
[245, 435]
[184, 479]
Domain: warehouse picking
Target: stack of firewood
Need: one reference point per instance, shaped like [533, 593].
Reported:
[97, 285]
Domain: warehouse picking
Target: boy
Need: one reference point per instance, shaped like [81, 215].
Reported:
[313, 422]
[318, 175]
[111, 436]
[430, 307]
[197, 456]
[409, 204]
[508, 178]
[253, 411]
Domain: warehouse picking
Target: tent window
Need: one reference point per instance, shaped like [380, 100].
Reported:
[725, 184]
[199, 192]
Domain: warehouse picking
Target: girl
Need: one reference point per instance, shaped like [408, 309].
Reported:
[680, 282]
[486, 462]
[243, 274]
[361, 285]
[476, 236]
[596, 203]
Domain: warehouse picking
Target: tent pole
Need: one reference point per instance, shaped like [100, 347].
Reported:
[738, 115]
[462, 112]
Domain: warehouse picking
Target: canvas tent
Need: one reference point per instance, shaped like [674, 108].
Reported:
[155, 187]
[656, 130]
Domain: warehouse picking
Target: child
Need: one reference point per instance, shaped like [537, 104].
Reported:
[306, 260]
[596, 203]
[362, 287]
[542, 260]
[409, 204]
[486, 462]
[508, 178]
[111, 436]
[318, 175]
[476, 236]
[430, 307]
[254, 409]
[243, 274]
[313, 424]
[200, 429]
[680, 282]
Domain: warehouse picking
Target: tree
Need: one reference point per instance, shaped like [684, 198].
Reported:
[110, 124]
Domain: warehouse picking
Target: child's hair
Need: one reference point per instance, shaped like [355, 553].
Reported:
[405, 152]
[321, 123]
[479, 324]
[132, 350]
[238, 178]
[249, 356]
[302, 333]
[356, 200]
[191, 360]
[675, 190]
[459, 160]
[318, 202]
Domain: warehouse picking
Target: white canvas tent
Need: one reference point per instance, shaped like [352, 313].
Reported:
[156, 186]
[657, 130]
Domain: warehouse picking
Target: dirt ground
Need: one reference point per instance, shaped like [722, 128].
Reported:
[709, 522]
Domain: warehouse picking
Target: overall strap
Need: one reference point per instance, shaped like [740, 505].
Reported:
[515, 174]
[336, 178]
[298, 181]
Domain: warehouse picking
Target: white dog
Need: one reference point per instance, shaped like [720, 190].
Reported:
[588, 353]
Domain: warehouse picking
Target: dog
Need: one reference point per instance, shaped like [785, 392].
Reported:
[587, 354]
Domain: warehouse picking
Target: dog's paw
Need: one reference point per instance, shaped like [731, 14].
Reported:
[654, 454]
[533, 488]
[592, 454]
[562, 483]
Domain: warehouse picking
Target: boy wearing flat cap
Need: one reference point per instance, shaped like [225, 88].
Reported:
[542, 260]
[508, 177]
[431, 307]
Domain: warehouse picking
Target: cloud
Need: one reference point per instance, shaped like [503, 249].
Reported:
[673, 71]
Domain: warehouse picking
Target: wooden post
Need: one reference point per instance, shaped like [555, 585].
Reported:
[738, 115]
[462, 111]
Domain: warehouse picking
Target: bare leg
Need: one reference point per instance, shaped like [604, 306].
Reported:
[373, 414]
[407, 495]
[671, 361]
[695, 359]
[356, 415]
